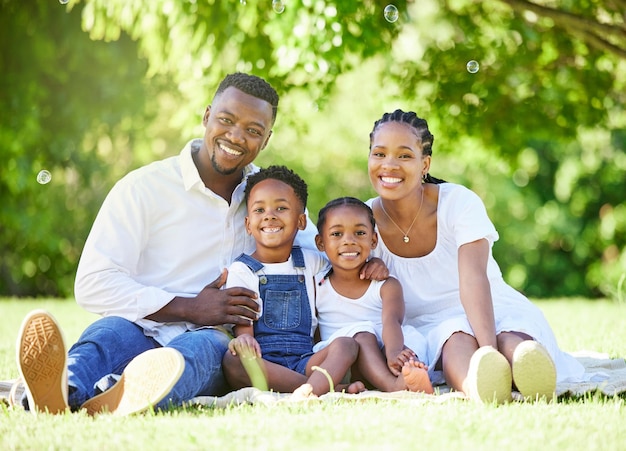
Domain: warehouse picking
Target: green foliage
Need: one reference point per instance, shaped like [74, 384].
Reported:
[71, 106]
[538, 131]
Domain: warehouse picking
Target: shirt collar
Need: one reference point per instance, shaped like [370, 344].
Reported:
[189, 171]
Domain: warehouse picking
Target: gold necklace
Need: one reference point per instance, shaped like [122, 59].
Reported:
[406, 234]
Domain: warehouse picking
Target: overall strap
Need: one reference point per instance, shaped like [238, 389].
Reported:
[297, 257]
[250, 262]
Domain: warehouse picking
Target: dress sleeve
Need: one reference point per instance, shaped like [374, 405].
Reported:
[466, 216]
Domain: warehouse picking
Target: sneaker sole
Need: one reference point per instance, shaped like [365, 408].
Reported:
[490, 376]
[41, 362]
[147, 379]
[534, 372]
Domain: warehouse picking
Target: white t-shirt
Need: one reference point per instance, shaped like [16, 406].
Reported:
[431, 283]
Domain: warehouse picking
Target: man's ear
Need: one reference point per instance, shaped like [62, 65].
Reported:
[267, 140]
[207, 113]
[318, 243]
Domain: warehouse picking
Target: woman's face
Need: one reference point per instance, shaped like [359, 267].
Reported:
[396, 164]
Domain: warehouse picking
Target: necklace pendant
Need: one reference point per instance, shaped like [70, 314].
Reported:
[405, 239]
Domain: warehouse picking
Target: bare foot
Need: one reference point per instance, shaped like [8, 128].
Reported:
[353, 388]
[304, 391]
[416, 377]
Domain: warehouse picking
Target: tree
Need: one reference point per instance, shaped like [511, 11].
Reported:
[64, 98]
[537, 131]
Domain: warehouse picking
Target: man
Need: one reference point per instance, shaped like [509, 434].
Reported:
[163, 231]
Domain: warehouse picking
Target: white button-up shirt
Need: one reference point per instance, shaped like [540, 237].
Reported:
[160, 233]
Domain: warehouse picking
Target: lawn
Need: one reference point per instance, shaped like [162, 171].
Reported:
[591, 422]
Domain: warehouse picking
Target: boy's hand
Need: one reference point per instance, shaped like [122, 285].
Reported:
[244, 345]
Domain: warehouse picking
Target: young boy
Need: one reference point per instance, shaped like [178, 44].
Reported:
[282, 275]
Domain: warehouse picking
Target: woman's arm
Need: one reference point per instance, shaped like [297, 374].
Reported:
[475, 291]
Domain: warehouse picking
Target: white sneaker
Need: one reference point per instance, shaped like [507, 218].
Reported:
[534, 372]
[42, 363]
[489, 376]
[146, 380]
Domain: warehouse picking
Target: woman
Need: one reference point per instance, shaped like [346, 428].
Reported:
[436, 238]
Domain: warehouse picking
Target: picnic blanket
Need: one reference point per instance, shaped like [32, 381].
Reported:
[604, 375]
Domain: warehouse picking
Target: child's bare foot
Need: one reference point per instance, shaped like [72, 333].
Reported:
[304, 391]
[353, 388]
[416, 377]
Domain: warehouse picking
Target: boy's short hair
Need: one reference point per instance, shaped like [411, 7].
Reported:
[283, 174]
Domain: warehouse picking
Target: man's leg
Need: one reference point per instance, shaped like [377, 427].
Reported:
[105, 347]
[203, 351]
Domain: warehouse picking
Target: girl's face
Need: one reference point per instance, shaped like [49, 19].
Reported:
[347, 237]
[396, 164]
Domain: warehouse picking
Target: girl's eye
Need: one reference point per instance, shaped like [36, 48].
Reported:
[281, 208]
[360, 233]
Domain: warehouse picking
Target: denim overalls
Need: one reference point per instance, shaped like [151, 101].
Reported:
[284, 329]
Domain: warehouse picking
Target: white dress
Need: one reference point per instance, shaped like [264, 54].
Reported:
[431, 284]
[339, 316]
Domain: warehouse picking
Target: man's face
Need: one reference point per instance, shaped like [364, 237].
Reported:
[238, 127]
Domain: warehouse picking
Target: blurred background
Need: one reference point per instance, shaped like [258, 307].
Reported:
[92, 89]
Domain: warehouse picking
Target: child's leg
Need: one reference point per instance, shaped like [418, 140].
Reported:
[336, 359]
[373, 366]
[278, 377]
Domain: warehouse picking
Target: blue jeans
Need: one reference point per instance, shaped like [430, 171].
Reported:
[110, 343]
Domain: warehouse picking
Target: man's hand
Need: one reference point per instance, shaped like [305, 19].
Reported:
[212, 306]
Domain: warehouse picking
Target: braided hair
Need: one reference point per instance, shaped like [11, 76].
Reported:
[251, 85]
[421, 128]
[340, 202]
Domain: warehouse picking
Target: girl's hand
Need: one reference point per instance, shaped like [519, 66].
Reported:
[396, 361]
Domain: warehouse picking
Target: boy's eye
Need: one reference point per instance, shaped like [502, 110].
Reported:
[335, 234]
[258, 210]
[360, 233]
[281, 208]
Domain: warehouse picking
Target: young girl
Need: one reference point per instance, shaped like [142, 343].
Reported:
[370, 311]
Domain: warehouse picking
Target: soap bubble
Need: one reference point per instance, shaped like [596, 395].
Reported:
[391, 13]
[278, 6]
[44, 177]
[243, 2]
[472, 66]
[64, 2]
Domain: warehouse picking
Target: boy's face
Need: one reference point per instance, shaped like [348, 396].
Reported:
[347, 237]
[275, 214]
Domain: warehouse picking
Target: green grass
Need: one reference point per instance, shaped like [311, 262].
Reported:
[591, 422]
